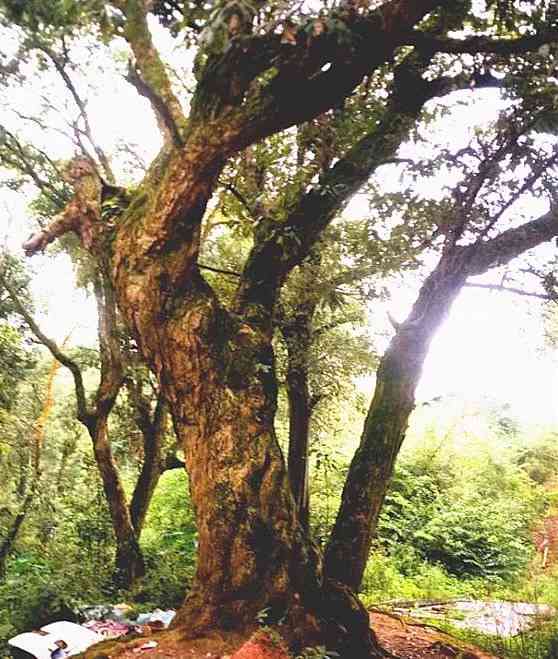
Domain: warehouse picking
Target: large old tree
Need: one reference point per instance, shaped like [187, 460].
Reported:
[262, 68]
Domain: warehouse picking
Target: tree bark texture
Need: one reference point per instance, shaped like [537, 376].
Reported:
[218, 376]
[129, 560]
[153, 430]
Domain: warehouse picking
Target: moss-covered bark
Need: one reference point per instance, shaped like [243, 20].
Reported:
[384, 430]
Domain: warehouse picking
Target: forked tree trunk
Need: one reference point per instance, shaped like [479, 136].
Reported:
[218, 375]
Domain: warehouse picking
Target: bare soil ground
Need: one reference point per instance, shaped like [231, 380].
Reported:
[409, 639]
[402, 637]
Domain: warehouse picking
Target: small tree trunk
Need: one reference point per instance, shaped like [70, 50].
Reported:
[299, 435]
[297, 335]
[153, 432]
[385, 426]
[129, 560]
[11, 537]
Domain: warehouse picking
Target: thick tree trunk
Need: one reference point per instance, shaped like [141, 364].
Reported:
[253, 554]
[129, 560]
[217, 372]
[248, 532]
[385, 426]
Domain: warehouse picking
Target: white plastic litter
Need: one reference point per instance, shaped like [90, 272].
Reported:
[146, 646]
[158, 615]
[41, 646]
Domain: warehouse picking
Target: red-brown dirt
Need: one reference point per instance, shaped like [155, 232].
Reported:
[408, 639]
[403, 638]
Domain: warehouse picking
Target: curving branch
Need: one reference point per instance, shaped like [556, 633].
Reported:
[483, 255]
[60, 67]
[289, 242]
[85, 415]
[161, 109]
[149, 74]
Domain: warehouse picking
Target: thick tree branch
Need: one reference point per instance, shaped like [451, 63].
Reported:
[67, 221]
[287, 243]
[223, 124]
[82, 214]
[303, 72]
[482, 256]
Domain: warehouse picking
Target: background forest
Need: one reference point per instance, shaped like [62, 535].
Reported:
[452, 149]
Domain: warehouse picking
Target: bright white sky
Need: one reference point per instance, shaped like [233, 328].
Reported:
[491, 346]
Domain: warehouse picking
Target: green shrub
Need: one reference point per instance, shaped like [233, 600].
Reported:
[473, 517]
[384, 580]
[169, 541]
